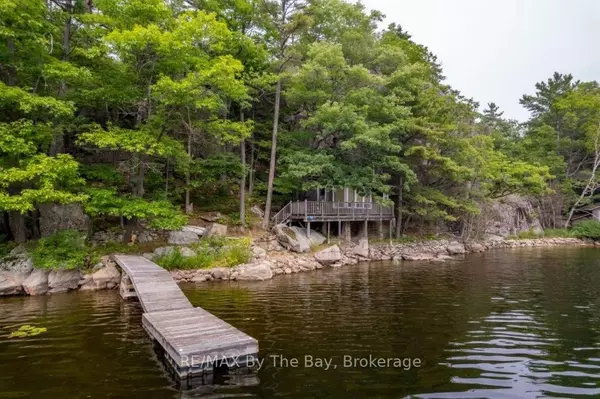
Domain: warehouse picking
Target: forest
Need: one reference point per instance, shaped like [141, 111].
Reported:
[146, 111]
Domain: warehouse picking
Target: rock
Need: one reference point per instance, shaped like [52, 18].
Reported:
[259, 252]
[109, 275]
[256, 211]
[316, 238]
[362, 249]
[199, 278]
[287, 270]
[456, 248]
[187, 252]
[149, 255]
[329, 255]
[17, 261]
[194, 229]
[216, 229]
[417, 257]
[291, 239]
[510, 216]
[54, 218]
[36, 283]
[255, 272]
[63, 280]
[182, 238]
[211, 217]
[145, 237]
[220, 273]
[163, 251]
[474, 247]
[11, 283]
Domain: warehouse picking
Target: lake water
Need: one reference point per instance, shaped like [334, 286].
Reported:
[522, 323]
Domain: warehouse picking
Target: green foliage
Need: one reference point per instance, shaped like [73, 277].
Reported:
[558, 233]
[63, 250]
[589, 229]
[210, 252]
[27, 331]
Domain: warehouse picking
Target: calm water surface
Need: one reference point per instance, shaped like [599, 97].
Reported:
[519, 323]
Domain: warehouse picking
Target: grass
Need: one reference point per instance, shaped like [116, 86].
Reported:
[548, 233]
[210, 252]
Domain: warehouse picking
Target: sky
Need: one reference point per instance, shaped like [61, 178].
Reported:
[496, 50]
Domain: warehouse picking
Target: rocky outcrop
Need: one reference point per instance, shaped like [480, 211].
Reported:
[54, 218]
[253, 272]
[329, 255]
[11, 283]
[290, 239]
[17, 261]
[216, 230]
[63, 280]
[182, 238]
[456, 248]
[36, 283]
[510, 216]
[200, 231]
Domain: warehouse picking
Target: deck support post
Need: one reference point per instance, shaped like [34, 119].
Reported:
[328, 223]
[381, 229]
[340, 232]
[366, 229]
[391, 221]
[308, 230]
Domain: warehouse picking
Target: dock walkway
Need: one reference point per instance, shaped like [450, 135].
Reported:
[193, 339]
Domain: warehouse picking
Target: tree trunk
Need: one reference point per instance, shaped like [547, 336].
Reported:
[251, 172]
[243, 180]
[399, 208]
[17, 227]
[189, 208]
[273, 156]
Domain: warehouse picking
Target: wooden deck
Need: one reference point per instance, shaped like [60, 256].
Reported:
[327, 211]
[194, 341]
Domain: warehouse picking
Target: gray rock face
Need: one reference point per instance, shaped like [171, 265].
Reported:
[216, 229]
[256, 211]
[36, 283]
[11, 283]
[259, 252]
[182, 238]
[186, 252]
[106, 278]
[54, 218]
[456, 248]
[163, 251]
[329, 255]
[220, 273]
[211, 217]
[17, 261]
[194, 229]
[362, 248]
[510, 216]
[255, 272]
[292, 239]
[63, 280]
[315, 238]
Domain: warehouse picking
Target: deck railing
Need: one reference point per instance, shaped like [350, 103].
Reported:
[283, 215]
[341, 210]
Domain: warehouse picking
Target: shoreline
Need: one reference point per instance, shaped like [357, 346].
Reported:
[266, 265]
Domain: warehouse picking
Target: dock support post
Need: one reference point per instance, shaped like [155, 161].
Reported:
[308, 230]
[328, 223]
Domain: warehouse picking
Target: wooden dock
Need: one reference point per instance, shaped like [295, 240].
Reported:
[194, 341]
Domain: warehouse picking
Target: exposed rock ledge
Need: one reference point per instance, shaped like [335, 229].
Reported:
[18, 277]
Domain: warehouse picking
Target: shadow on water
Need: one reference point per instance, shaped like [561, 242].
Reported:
[520, 323]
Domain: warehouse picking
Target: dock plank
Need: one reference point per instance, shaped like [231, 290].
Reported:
[192, 338]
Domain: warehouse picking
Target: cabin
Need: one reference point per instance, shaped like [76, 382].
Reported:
[343, 210]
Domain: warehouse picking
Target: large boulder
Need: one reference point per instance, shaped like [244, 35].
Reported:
[216, 229]
[315, 238]
[54, 218]
[510, 216]
[329, 255]
[163, 251]
[194, 229]
[220, 273]
[256, 211]
[211, 217]
[362, 248]
[63, 280]
[291, 239]
[36, 283]
[17, 261]
[11, 283]
[255, 271]
[108, 277]
[456, 248]
[187, 252]
[182, 238]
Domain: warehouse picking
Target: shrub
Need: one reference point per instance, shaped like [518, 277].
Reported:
[529, 234]
[63, 250]
[210, 252]
[557, 233]
[589, 229]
